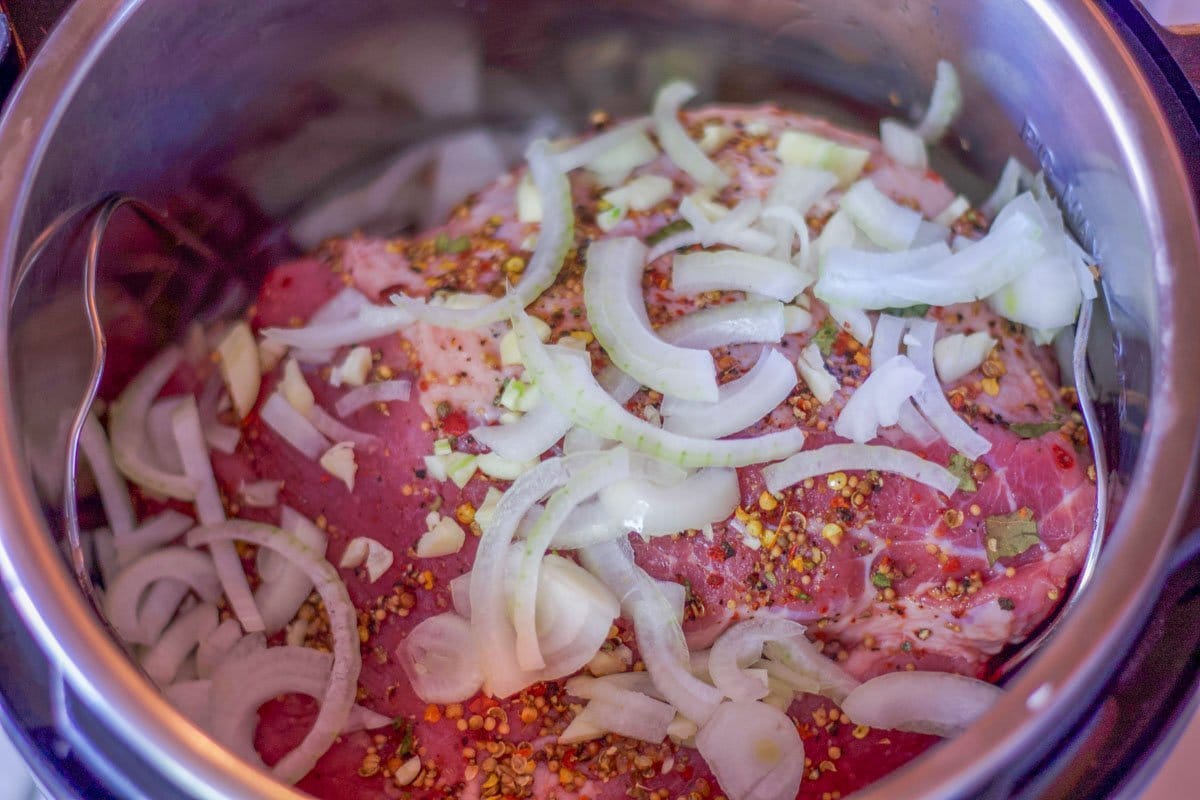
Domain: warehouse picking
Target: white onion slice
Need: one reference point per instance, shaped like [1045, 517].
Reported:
[818, 378]
[575, 612]
[285, 586]
[163, 660]
[527, 438]
[569, 384]
[754, 750]
[798, 660]
[627, 713]
[795, 189]
[590, 149]
[211, 511]
[371, 322]
[885, 345]
[612, 290]
[958, 354]
[877, 401]
[740, 403]
[740, 646]
[238, 364]
[800, 148]
[260, 494]
[114, 494]
[127, 429]
[193, 699]
[214, 647]
[554, 239]
[659, 636]
[937, 703]
[932, 401]
[794, 225]
[188, 568]
[343, 620]
[884, 221]
[395, 391]
[1006, 189]
[903, 145]
[740, 322]
[603, 471]
[674, 139]
[732, 270]
[590, 523]
[944, 105]
[155, 532]
[440, 659]
[278, 415]
[638, 504]
[337, 431]
[161, 437]
[159, 605]
[841, 457]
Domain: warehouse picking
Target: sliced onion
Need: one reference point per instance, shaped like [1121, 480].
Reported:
[163, 660]
[260, 494]
[211, 511]
[162, 600]
[627, 713]
[105, 554]
[739, 647]
[1007, 187]
[903, 145]
[740, 322]
[238, 363]
[214, 647]
[731, 270]
[188, 568]
[885, 345]
[193, 699]
[590, 523]
[336, 431]
[568, 383]
[876, 403]
[554, 239]
[884, 221]
[937, 703]
[816, 375]
[612, 290]
[155, 532]
[278, 415]
[740, 403]
[932, 401]
[637, 504]
[944, 105]
[951, 213]
[958, 354]
[794, 224]
[754, 750]
[679, 147]
[733, 228]
[371, 322]
[603, 471]
[590, 149]
[527, 438]
[396, 391]
[127, 429]
[659, 636]
[163, 449]
[841, 457]
[114, 494]
[286, 586]
[804, 149]
[343, 621]
[440, 659]
[575, 613]
[795, 190]
[797, 660]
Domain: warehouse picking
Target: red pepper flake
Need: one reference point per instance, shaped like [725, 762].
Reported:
[455, 424]
[537, 690]
[1061, 457]
[953, 564]
[714, 580]
[688, 772]
[716, 553]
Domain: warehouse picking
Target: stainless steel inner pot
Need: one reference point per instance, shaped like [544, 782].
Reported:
[238, 114]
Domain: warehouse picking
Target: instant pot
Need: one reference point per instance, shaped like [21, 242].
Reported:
[235, 118]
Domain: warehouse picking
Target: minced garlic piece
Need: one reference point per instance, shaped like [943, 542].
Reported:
[339, 462]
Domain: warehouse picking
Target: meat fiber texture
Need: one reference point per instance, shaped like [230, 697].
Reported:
[905, 584]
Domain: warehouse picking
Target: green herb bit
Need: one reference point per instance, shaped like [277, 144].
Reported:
[881, 581]
[1009, 535]
[919, 310]
[1033, 430]
[670, 229]
[826, 335]
[444, 244]
[962, 468]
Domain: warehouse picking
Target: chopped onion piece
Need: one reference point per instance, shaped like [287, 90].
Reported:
[260, 494]
[794, 224]
[640, 194]
[441, 660]
[555, 238]
[951, 213]
[295, 388]
[808, 150]
[369, 323]
[740, 403]
[876, 403]
[853, 320]
[188, 568]
[799, 660]
[154, 532]
[1006, 188]
[884, 221]
[527, 438]
[444, 539]
[937, 703]
[637, 504]
[944, 105]
[285, 586]
[127, 429]
[796, 189]
[958, 354]
[741, 646]
[816, 375]
[679, 147]
[754, 751]
[333, 429]
[932, 401]
[597, 148]
[114, 494]
[740, 322]
[343, 622]
[903, 145]
[842, 457]
[612, 290]
[395, 391]
[885, 345]
[627, 713]
[731, 270]
[590, 523]
[214, 647]
[354, 368]
[569, 384]
[162, 661]
[239, 367]
[278, 415]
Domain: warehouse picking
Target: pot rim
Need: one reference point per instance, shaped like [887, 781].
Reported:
[1050, 687]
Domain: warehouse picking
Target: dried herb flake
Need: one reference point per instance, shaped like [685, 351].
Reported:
[1009, 535]
[444, 244]
[961, 467]
[919, 310]
[880, 580]
[670, 229]
[825, 336]
[1032, 430]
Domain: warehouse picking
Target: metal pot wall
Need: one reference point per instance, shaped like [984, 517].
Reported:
[234, 115]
